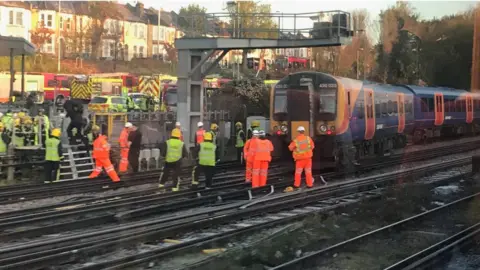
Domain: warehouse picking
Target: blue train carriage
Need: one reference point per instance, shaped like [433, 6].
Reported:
[441, 112]
[380, 117]
[340, 115]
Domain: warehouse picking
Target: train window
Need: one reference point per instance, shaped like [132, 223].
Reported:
[348, 99]
[447, 105]
[401, 111]
[384, 108]
[458, 106]
[395, 107]
[438, 101]
[431, 105]
[280, 102]
[462, 102]
[390, 107]
[424, 104]
[378, 110]
[361, 110]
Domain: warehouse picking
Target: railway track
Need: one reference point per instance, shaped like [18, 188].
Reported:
[19, 193]
[234, 218]
[71, 215]
[429, 221]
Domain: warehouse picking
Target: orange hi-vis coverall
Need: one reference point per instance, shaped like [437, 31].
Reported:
[302, 148]
[124, 148]
[261, 160]
[249, 154]
[101, 154]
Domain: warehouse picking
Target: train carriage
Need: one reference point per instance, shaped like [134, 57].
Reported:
[442, 112]
[347, 119]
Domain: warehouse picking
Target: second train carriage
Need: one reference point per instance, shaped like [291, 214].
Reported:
[351, 119]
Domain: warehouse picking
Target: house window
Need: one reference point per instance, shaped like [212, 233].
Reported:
[61, 23]
[135, 31]
[10, 17]
[42, 20]
[155, 51]
[49, 45]
[80, 23]
[105, 49]
[112, 49]
[19, 18]
[141, 52]
[50, 21]
[141, 32]
[69, 24]
[134, 51]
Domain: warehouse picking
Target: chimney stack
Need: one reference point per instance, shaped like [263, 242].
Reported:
[139, 8]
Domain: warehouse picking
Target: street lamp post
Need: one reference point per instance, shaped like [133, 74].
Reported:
[59, 42]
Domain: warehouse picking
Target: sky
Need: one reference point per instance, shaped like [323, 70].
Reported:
[426, 9]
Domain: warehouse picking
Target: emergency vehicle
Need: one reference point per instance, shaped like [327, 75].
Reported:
[56, 84]
[160, 87]
[88, 87]
[33, 83]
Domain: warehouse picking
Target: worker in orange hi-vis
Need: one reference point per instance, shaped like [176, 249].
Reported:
[101, 154]
[302, 148]
[249, 155]
[178, 126]
[261, 160]
[124, 148]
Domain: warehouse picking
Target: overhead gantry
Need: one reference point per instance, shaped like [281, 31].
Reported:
[213, 34]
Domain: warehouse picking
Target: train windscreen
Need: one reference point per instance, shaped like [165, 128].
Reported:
[328, 101]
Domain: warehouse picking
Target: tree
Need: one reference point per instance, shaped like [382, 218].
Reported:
[252, 20]
[194, 19]
[41, 35]
[236, 94]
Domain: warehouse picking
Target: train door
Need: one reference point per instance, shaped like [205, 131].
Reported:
[469, 110]
[369, 114]
[439, 109]
[298, 110]
[401, 112]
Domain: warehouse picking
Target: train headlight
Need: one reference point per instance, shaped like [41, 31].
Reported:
[284, 129]
[323, 128]
[332, 128]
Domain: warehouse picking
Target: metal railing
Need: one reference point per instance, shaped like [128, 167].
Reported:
[288, 26]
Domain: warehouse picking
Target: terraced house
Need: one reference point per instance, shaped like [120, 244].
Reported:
[101, 30]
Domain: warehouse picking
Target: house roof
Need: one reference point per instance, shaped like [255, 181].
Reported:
[18, 4]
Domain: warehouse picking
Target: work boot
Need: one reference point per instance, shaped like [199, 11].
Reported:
[161, 186]
[46, 182]
[175, 189]
[195, 182]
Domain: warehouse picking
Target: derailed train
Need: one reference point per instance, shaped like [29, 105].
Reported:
[351, 119]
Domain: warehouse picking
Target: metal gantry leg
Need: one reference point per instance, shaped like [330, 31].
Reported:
[190, 92]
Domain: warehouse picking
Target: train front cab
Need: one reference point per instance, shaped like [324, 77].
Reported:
[293, 105]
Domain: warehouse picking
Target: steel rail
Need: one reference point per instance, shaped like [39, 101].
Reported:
[59, 250]
[71, 209]
[85, 186]
[425, 258]
[306, 261]
[19, 193]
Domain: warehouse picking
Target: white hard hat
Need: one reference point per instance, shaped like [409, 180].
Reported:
[200, 124]
[128, 125]
[62, 115]
[261, 133]
[255, 133]
[1, 114]
[300, 128]
[177, 124]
